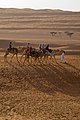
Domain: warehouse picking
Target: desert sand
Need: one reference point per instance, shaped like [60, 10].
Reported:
[44, 91]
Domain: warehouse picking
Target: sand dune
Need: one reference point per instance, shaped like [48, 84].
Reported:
[28, 25]
[50, 91]
[44, 91]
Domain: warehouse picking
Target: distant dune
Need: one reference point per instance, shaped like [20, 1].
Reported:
[33, 19]
[36, 26]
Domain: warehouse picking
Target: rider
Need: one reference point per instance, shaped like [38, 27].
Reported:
[42, 47]
[29, 47]
[10, 45]
[48, 49]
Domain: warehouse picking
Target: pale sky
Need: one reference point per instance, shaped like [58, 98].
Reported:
[71, 5]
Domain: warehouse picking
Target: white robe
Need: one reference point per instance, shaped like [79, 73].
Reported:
[63, 57]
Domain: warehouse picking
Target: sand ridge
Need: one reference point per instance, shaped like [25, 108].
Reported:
[49, 91]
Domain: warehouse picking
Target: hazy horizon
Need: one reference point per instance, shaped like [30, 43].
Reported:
[39, 9]
[67, 5]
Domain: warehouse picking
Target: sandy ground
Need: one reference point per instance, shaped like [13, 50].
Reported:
[44, 91]
[40, 92]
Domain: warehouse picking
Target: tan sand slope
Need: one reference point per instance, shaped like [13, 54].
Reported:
[40, 92]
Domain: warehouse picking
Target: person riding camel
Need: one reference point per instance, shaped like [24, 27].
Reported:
[42, 48]
[29, 48]
[48, 49]
[10, 46]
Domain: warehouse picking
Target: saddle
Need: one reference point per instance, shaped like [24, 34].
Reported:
[12, 49]
[32, 52]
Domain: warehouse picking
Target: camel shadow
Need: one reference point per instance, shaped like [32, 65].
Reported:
[48, 79]
[51, 79]
[73, 67]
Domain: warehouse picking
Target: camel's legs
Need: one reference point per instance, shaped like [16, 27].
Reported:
[12, 57]
[22, 57]
[5, 56]
[17, 56]
[26, 57]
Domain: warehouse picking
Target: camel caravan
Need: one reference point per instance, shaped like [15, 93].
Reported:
[43, 54]
[69, 34]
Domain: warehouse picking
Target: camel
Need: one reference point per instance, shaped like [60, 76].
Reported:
[53, 33]
[13, 51]
[69, 34]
